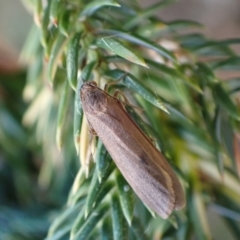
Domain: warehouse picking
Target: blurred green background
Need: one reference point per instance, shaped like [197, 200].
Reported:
[24, 202]
[221, 18]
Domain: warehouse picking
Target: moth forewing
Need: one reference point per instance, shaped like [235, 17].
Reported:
[143, 166]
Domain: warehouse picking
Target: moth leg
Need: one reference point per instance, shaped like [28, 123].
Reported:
[92, 144]
[114, 82]
[90, 151]
[87, 163]
[92, 141]
[91, 131]
[154, 142]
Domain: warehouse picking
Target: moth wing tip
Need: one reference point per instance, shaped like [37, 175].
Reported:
[180, 203]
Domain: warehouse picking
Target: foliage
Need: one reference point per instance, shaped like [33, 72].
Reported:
[174, 75]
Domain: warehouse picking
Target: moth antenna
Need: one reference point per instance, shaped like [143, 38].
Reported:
[114, 82]
[118, 93]
[126, 102]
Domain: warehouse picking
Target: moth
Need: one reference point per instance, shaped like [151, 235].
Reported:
[143, 166]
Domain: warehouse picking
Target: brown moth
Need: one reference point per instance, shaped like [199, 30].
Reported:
[143, 166]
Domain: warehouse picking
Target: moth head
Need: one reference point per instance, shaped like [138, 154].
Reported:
[93, 97]
[87, 88]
